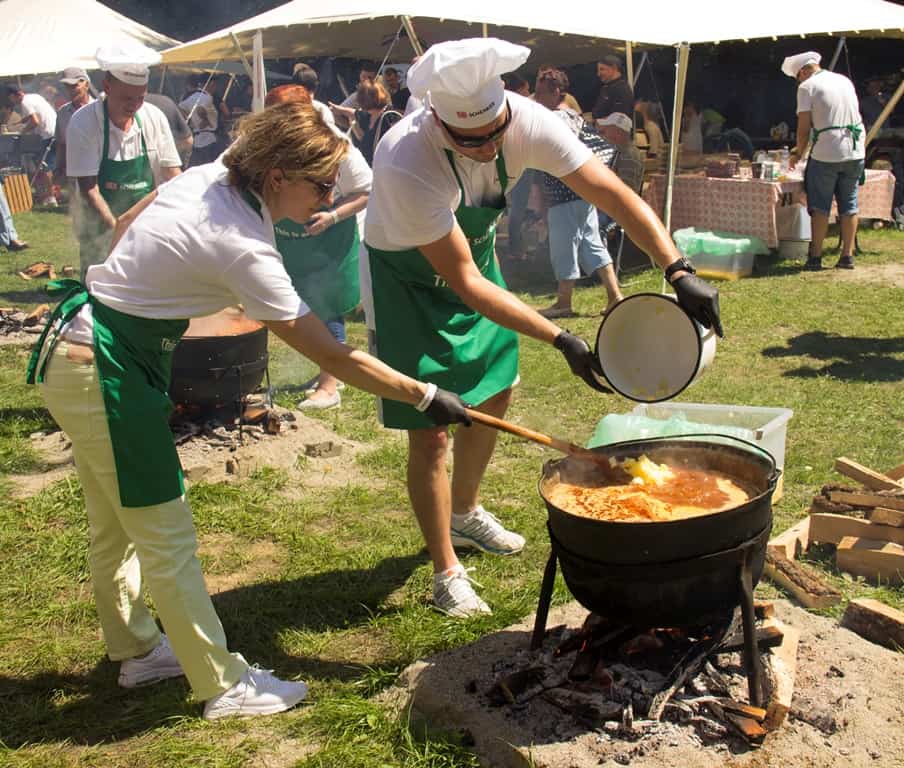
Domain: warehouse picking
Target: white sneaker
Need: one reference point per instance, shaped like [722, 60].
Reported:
[310, 387]
[159, 664]
[454, 595]
[259, 692]
[481, 530]
[321, 403]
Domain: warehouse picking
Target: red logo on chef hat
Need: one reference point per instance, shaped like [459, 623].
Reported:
[461, 114]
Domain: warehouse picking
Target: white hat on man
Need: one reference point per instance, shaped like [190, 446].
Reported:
[127, 61]
[794, 64]
[464, 78]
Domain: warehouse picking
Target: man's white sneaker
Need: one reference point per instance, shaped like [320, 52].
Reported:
[159, 664]
[481, 530]
[259, 692]
[454, 595]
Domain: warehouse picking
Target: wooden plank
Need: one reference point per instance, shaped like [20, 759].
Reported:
[781, 665]
[831, 529]
[801, 581]
[871, 479]
[884, 516]
[874, 560]
[749, 728]
[877, 622]
[764, 609]
[868, 499]
[741, 708]
[897, 473]
[18, 193]
[792, 542]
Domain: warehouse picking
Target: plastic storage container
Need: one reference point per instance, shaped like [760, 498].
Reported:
[722, 255]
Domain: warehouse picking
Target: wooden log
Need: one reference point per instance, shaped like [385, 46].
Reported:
[749, 728]
[868, 499]
[781, 666]
[884, 516]
[831, 529]
[766, 637]
[757, 713]
[874, 560]
[793, 541]
[871, 479]
[877, 622]
[764, 609]
[897, 473]
[801, 581]
[35, 315]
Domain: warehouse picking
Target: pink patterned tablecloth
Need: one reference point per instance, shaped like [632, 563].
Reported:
[747, 206]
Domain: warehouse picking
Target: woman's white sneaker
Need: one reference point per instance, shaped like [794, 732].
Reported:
[454, 595]
[481, 530]
[159, 664]
[259, 692]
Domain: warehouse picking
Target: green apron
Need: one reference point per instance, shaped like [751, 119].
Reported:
[425, 330]
[133, 356]
[122, 183]
[324, 267]
[855, 129]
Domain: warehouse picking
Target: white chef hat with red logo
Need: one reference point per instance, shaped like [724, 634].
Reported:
[464, 78]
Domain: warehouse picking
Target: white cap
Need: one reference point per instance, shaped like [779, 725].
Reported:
[619, 120]
[127, 61]
[463, 78]
[794, 64]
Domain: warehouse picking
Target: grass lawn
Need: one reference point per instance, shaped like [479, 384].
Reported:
[344, 602]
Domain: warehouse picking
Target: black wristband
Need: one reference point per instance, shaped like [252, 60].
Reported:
[682, 264]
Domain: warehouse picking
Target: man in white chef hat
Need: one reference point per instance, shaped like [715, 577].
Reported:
[119, 148]
[829, 122]
[440, 306]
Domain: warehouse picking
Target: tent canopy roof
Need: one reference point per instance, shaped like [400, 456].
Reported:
[50, 35]
[565, 31]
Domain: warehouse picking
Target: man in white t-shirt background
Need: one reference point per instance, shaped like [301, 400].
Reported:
[828, 115]
[38, 117]
[141, 153]
[201, 114]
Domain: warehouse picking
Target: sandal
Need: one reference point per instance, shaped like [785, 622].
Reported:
[554, 313]
[845, 262]
[813, 265]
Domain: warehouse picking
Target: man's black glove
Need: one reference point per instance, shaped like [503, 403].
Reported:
[700, 300]
[581, 360]
[447, 408]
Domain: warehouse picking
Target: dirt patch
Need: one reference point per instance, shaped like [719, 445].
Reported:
[312, 454]
[231, 562]
[886, 274]
[848, 708]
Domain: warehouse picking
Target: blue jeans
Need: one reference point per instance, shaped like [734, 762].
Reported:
[337, 328]
[7, 228]
[823, 181]
[518, 211]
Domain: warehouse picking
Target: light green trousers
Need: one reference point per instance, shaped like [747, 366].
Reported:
[157, 543]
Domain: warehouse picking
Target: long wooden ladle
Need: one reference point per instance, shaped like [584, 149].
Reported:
[564, 446]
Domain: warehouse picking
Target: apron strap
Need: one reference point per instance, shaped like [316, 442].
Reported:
[855, 129]
[249, 197]
[106, 150]
[74, 296]
[500, 171]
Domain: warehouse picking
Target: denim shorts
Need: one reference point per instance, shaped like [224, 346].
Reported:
[823, 181]
[574, 240]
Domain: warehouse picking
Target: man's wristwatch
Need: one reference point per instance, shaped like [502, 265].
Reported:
[682, 264]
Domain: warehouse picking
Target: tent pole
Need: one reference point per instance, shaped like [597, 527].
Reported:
[643, 62]
[485, 29]
[838, 49]
[883, 116]
[238, 46]
[412, 36]
[259, 91]
[629, 62]
[682, 55]
[162, 79]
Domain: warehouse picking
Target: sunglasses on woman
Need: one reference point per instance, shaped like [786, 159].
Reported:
[475, 142]
[324, 188]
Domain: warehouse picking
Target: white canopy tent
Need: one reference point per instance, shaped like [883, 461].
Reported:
[49, 35]
[567, 31]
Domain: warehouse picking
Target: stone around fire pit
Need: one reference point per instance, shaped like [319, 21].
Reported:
[865, 705]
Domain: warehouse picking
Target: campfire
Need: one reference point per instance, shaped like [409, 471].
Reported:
[625, 681]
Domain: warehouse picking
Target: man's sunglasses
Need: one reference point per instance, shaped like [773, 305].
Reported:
[475, 142]
[324, 188]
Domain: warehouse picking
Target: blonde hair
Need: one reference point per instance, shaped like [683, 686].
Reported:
[292, 137]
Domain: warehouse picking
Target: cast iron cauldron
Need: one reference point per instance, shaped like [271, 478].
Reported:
[220, 359]
[676, 573]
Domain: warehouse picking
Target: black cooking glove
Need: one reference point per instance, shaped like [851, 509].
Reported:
[581, 360]
[700, 300]
[448, 408]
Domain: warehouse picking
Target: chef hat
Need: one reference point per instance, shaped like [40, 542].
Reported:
[127, 61]
[794, 64]
[463, 78]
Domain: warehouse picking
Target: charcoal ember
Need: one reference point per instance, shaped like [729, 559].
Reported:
[517, 686]
[591, 709]
[819, 717]
[708, 730]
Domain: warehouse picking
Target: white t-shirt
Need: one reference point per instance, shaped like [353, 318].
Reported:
[201, 114]
[415, 192]
[35, 104]
[692, 137]
[198, 248]
[830, 99]
[85, 141]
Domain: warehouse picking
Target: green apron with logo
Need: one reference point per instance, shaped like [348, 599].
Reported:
[122, 183]
[324, 267]
[854, 129]
[133, 356]
[425, 330]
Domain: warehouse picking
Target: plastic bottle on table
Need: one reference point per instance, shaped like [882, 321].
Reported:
[785, 160]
